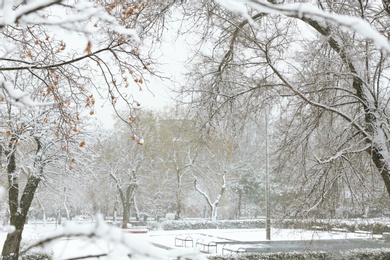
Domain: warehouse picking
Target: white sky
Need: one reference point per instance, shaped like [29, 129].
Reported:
[157, 95]
[172, 56]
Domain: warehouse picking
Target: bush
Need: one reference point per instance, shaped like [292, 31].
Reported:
[356, 254]
[277, 256]
[206, 224]
[37, 256]
[376, 227]
[367, 254]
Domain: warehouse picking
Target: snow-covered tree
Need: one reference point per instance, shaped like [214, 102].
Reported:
[213, 204]
[56, 57]
[120, 160]
[322, 66]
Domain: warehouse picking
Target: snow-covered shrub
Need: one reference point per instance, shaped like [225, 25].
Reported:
[206, 224]
[37, 256]
[240, 224]
[188, 224]
[351, 225]
[376, 228]
[367, 254]
[278, 256]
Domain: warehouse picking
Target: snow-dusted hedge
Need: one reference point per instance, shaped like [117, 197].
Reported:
[206, 224]
[277, 256]
[356, 254]
[37, 256]
[309, 224]
[370, 254]
[373, 225]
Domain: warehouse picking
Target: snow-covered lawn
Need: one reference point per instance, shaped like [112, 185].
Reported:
[71, 247]
[167, 238]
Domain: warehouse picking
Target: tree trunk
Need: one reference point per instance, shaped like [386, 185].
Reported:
[125, 198]
[214, 213]
[386, 6]
[134, 202]
[12, 242]
[67, 211]
[213, 205]
[126, 216]
[19, 209]
[383, 167]
[239, 204]
[115, 210]
[18, 219]
[378, 149]
[178, 197]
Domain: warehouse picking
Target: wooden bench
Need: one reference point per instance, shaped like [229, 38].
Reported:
[386, 236]
[206, 244]
[318, 228]
[233, 249]
[339, 230]
[137, 230]
[183, 240]
[363, 233]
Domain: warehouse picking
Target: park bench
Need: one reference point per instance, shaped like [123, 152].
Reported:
[386, 236]
[205, 244]
[181, 240]
[318, 228]
[339, 230]
[137, 230]
[363, 233]
[233, 249]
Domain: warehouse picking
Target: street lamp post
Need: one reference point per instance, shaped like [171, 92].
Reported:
[267, 186]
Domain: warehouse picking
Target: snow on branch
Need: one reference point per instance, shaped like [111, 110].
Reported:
[68, 16]
[56, 14]
[11, 15]
[213, 205]
[301, 11]
[18, 97]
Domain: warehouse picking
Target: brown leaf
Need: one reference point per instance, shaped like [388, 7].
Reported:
[88, 49]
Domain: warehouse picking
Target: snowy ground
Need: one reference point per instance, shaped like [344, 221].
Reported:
[66, 248]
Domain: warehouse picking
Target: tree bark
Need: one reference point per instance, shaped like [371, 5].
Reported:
[372, 129]
[19, 209]
[382, 165]
[127, 196]
[178, 197]
[239, 205]
[386, 5]
[126, 207]
[213, 205]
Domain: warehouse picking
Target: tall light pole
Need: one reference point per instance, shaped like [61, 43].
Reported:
[267, 186]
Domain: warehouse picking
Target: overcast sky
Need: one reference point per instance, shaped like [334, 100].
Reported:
[172, 56]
